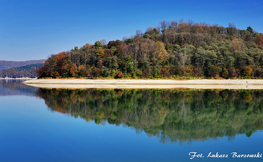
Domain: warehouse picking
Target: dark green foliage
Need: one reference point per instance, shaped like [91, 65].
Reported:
[199, 50]
[249, 29]
[98, 45]
[128, 41]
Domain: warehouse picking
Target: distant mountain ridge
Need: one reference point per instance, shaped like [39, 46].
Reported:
[21, 72]
[11, 64]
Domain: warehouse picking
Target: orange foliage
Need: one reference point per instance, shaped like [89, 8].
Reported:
[82, 70]
[120, 93]
[60, 110]
[247, 71]
[119, 75]
[183, 27]
[248, 98]
[197, 28]
[74, 70]
[107, 53]
[72, 97]
[260, 41]
[95, 72]
[116, 44]
[211, 29]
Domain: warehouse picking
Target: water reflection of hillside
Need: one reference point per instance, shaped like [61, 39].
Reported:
[16, 87]
[172, 116]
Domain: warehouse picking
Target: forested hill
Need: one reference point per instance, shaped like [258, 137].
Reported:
[12, 64]
[20, 72]
[171, 50]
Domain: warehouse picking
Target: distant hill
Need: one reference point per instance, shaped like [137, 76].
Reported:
[12, 64]
[22, 71]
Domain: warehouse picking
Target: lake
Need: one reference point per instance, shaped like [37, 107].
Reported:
[129, 125]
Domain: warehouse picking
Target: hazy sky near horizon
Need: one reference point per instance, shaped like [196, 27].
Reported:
[35, 29]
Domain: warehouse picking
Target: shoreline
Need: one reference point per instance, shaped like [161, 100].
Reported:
[147, 83]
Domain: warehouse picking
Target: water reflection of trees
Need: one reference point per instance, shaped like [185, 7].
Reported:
[16, 87]
[171, 115]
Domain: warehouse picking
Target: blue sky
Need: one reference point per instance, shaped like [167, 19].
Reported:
[35, 29]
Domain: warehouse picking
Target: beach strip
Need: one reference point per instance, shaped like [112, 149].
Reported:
[147, 83]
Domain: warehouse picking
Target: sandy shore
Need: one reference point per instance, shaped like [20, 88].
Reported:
[147, 84]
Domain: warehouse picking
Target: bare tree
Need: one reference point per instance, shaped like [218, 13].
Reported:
[181, 20]
[149, 29]
[231, 25]
[174, 24]
[103, 42]
[158, 28]
[232, 28]
[215, 24]
[190, 22]
[168, 24]
[183, 57]
[138, 32]
[164, 24]
[124, 38]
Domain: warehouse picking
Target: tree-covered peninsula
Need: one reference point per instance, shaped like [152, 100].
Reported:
[170, 50]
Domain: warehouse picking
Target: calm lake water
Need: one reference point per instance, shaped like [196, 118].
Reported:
[128, 125]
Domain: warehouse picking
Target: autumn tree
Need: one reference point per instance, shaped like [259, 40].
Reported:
[98, 45]
[260, 41]
[235, 45]
[247, 71]
[74, 70]
[100, 53]
[159, 52]
[82, 71]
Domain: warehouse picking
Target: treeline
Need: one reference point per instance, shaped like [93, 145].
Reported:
[29, 71]
[171, 115]
[171, 50]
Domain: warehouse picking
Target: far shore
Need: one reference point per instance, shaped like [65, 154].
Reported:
[147, 83]
[17, 78]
